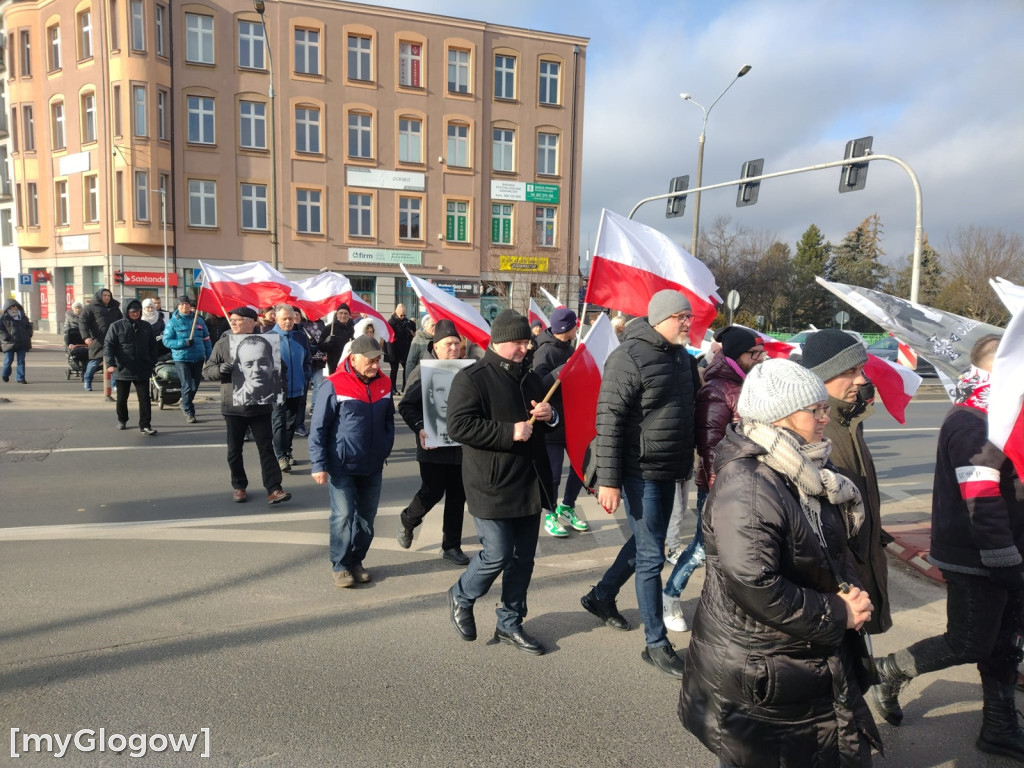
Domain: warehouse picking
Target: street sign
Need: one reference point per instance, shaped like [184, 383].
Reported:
[542, 193]
[197, 277]
[24, 279]
[732, 299]
[842, 317]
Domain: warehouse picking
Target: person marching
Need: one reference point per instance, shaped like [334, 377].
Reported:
[186, 335]
[130, 352]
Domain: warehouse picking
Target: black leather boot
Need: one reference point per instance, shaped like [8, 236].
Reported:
[885, 694]
[1001, 733]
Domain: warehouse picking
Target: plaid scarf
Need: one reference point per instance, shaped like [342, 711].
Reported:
[804, 465]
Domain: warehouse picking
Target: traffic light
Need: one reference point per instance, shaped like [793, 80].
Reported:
[747, 193]
[855, 176]
[676, 205]
[119, 278]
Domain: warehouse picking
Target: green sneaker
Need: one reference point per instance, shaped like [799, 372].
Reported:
[569, 513]
[553, 527]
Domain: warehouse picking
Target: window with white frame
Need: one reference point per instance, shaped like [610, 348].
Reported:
[200, 120]
[547, 154]
[160, 23]
[57, 125]
[142, 195]
[307, 51]
[162, 117]
[251, 45]
[307, 212]
[84, 35]
[501, 223]
[545, 224]
[504, 76]
[88, 117]
[359, 58]
[198, 38]
[92, 199]
[139, 110]
[360, 135]
[60, 200]
[458, 70]
[456, 221]
[360, 214]
[254, 206]
[252, 123]
[549, 82]
[307, 130]
[504, 150]
[410, 140]
[53, 34]
[409, 210]
[202, 203]
[410, 64]
[138, 27]
[458, 145]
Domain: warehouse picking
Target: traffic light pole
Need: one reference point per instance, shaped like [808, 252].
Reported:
[915, 277]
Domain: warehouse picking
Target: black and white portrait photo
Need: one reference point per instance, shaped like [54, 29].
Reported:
[256, 376]
[437, 376]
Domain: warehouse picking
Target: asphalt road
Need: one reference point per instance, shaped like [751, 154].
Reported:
[139, 599]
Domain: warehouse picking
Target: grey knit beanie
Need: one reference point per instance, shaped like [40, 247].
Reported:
[776, 388]
[665, 303]
[509, 325]
[830, 352]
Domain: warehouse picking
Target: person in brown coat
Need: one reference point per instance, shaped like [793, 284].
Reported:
[839, 360]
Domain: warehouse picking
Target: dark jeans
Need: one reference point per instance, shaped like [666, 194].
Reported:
[509, 547]
[142, 392]
[17, 359]
[437, 481]
[648, 508]
[394, 373]
[982, 619]
[262, 435]
[190, 374]
[285, 417]
[573, 484]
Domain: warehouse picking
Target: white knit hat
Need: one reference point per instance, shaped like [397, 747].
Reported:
[776, 388]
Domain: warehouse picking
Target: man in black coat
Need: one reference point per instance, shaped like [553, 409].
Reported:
[130, 351]
[645, 444]
[402, 329]
[506, 475]
[94, 324]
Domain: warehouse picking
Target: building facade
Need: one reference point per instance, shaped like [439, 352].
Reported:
[447, 145]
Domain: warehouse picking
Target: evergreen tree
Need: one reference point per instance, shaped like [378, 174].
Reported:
[932, 278]
[809, 303]
[858, 259]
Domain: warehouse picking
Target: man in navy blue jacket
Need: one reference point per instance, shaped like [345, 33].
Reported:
[298, 370]
[350, 437]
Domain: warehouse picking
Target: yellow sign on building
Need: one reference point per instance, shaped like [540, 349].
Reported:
[510, 263]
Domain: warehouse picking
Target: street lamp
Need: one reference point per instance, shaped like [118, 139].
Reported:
[261, 7]
[163, 222]
[700, 152]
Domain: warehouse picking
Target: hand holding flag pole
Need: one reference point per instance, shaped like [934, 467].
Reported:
[547, 397]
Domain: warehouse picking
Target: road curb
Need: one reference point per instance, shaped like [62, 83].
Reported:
[911, 543]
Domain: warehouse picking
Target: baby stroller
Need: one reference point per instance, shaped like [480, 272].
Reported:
[78, 359]
[165, 386]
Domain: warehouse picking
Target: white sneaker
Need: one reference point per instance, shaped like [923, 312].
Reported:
[673, 555]
[672, 614]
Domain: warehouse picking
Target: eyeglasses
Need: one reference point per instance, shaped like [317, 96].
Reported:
[755, 354]
[819, 411]
[684, 317]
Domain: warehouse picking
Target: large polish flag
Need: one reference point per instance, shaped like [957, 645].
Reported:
[895, 384]
[553, 299]
[772, 346]
[444, 306]
[581, 383]
[254, 284]
[632, 262]
[537, 314]
[1006, 396]
[319, 296]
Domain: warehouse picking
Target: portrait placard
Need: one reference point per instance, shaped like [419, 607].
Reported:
[256, 371]
[436, 380]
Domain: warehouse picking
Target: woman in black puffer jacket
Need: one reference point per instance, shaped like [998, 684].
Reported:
[771, 672]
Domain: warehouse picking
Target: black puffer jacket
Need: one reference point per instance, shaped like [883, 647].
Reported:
[15, 335]
[131, 347]
[769, 678]
[548, 358]
[645, 411]
[96, 321]
[503, 479]
[411, 410]
[333, 342]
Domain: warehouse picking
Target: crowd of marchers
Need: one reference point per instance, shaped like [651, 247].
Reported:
[788, 506]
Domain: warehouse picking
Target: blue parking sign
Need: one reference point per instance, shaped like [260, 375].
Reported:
[25, 279]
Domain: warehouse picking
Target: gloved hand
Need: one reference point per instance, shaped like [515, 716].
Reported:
[225, 369]
[189, 342]
[1010, 579]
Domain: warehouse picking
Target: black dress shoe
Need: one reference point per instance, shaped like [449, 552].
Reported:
[520, 640]
[455, 555]
[605, 610]
[462, 618]
[664, 658]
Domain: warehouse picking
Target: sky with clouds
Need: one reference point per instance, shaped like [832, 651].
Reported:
[936, 82]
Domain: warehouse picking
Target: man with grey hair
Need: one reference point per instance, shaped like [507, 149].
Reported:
[296, 359]
[645, 444]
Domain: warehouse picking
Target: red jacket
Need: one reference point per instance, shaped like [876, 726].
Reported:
[716, 410]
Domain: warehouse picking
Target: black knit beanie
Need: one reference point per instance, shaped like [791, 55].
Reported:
[509, 325]
[443, 329]
[830, 352]
[735, 340]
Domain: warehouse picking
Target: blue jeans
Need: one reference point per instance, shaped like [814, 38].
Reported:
[190, 374]
[648, 508]
[9, 357]
[354, 500]
[509, 547]
[692, 556]
[90, 371]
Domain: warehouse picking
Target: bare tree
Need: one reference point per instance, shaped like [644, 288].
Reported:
[974, 255]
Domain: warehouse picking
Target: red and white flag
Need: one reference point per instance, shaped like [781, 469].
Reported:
[254, 284]
[895, 384]
[905, 355]
[537, 314]
[632, 262]
[773, 348]
[581, 383]
[320, 295]
[1006, 394]
[553, 299]
[444, 306]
